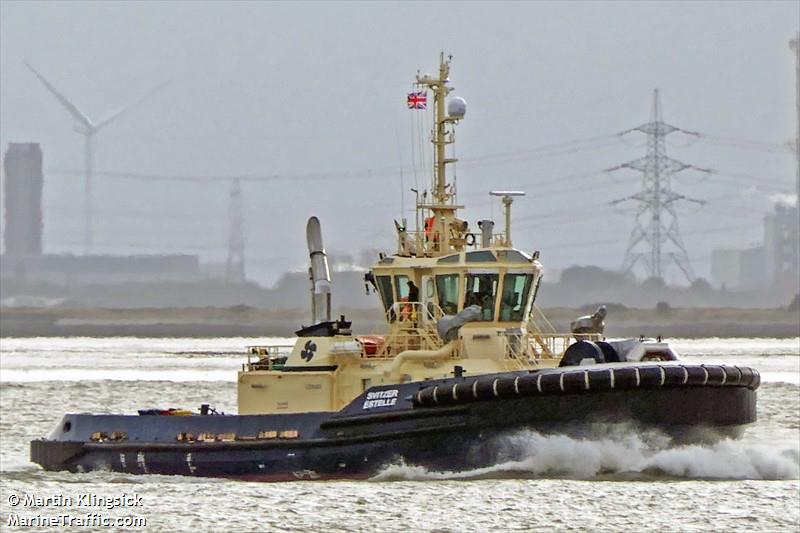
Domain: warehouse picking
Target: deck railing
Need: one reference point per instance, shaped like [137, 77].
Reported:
[421, 243]
[553, 345]
[412, 327]
[409, 314]
[267, 357]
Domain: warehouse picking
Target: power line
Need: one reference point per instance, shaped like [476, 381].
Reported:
[544, 151]
[137, 214]
[746, 144]
[724, 180]
[750, 179]
[527, 155]
[572, 213]
[706, 231]
[109, 245]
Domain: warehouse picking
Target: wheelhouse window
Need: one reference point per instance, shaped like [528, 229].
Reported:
[450, 259]
[481, 256]
[515, 296]
[385, 288]
[401, 288]
[481, 290]
[447, 289]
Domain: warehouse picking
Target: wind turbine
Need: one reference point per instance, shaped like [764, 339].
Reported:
[89, 129]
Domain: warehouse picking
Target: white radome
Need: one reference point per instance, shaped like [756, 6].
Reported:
[456, 107]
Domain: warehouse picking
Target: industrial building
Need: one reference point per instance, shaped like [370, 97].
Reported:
[782, 243]
[777, 262]
[774, 264]
[24, 260]
[22, 192]
[733, 269]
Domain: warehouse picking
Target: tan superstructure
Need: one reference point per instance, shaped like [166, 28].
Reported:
[439, 270]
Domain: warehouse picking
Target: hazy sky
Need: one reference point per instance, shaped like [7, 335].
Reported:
[318, 89]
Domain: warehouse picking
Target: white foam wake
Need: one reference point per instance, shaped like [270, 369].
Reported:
[632, 455]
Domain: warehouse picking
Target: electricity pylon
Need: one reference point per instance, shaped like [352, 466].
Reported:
[655, 239]
[234, 265]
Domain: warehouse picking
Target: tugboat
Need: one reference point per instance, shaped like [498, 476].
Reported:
[468, 359]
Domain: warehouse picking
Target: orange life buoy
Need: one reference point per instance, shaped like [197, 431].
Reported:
[429, 222]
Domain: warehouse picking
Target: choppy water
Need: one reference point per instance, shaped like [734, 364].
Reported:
[618, 479]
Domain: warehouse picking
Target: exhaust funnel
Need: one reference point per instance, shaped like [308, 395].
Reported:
[318, 273]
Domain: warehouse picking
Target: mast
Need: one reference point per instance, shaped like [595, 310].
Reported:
[445, 234]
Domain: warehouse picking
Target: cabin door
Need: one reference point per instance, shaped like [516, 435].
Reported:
[428, 300]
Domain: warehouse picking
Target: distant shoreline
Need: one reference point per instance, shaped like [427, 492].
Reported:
[241, 321]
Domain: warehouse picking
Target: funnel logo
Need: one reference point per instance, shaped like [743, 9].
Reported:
[308, 352]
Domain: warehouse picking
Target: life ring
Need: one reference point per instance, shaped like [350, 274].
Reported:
[470, 239]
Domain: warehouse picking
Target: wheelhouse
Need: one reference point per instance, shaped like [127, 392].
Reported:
[502, 283]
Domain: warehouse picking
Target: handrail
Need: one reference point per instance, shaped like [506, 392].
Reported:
[411, 327]
[420, 243]
[408, 339]
[537, 317]
[265, 356]
[410, 333]
[553, 345]
[403, 311]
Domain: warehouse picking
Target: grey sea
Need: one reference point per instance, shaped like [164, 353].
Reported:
[618, 479]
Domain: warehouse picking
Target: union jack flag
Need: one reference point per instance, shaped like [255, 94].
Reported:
[417, 100]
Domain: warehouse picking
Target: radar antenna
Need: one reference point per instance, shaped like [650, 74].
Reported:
[508, 199]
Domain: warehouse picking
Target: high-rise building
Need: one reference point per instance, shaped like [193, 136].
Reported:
[781, 243]
[22, 197]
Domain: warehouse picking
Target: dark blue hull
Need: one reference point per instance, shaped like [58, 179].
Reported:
[430, 424]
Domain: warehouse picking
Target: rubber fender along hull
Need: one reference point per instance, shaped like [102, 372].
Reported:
[587, 380]
[357, 444]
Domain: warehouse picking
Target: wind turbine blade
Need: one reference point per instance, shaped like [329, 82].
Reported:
[74, 111]
[131, 105]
